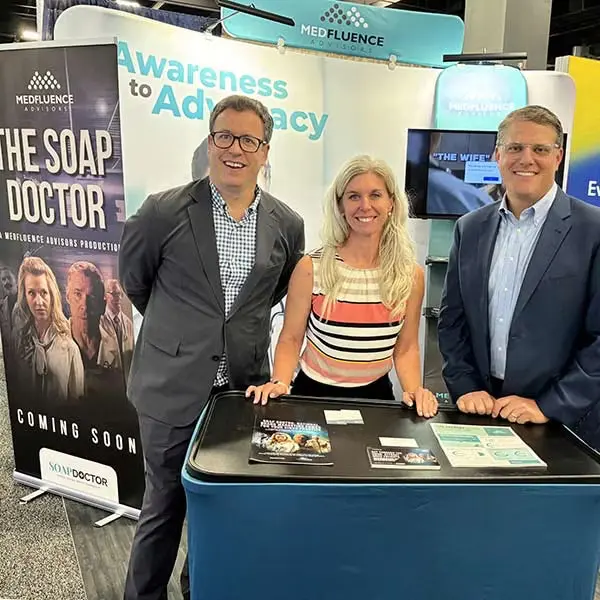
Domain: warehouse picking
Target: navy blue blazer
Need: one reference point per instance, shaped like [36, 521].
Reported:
[553, 353]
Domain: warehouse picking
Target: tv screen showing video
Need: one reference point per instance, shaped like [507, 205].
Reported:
[450, 173]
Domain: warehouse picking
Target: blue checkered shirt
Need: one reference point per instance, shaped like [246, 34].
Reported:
[236, 247]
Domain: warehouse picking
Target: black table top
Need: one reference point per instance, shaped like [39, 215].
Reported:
[220, 451]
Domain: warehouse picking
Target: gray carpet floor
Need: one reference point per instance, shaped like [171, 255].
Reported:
[37, 554]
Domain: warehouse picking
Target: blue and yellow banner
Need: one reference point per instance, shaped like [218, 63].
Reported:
[584, 168]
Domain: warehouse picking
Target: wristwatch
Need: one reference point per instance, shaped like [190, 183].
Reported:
[288, 388]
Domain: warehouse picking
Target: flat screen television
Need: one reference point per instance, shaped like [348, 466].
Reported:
[450, 173]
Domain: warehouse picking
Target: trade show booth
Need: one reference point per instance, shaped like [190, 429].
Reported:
[116, 108]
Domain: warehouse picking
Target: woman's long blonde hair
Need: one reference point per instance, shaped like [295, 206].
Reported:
[397, 257]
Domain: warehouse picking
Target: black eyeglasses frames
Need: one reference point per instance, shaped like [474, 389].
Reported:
[226, 139]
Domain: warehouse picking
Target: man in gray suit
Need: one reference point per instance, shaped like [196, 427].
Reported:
[204, 263]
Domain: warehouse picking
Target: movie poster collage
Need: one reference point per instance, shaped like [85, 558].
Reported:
[67, 334]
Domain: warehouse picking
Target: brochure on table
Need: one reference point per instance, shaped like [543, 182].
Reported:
[290, 442]
[402, 458]
[480, 446]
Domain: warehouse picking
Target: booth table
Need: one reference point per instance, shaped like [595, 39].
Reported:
[349, 532]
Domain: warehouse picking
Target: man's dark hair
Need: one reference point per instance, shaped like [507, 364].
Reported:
[241, 104]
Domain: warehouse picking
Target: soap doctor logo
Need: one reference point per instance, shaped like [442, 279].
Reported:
[339, 25]
[71, 473]
[78, 474]
[44, 93]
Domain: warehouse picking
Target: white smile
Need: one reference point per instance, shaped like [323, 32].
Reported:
[365, 219]
[525, 173]
[234, 165]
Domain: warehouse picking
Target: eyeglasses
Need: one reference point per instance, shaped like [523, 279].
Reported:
[225, 139]
[537, 149]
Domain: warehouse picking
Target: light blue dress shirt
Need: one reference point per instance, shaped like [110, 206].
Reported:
[516, 241]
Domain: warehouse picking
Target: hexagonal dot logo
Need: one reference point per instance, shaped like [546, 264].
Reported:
[42, 82]
[336, 15]
[355, 19]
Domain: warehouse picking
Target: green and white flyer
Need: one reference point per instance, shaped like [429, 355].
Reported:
[481, 446]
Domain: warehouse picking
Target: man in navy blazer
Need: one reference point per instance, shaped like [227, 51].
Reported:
[519, 327]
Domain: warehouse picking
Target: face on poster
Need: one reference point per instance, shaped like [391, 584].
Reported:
[66, 326]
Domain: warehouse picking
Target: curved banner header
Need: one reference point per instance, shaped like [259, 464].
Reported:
[352, 29]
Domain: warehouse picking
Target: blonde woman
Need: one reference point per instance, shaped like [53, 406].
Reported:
[357, 299]
[49, 360]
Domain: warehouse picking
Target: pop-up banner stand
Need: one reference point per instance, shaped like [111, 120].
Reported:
[66, 326]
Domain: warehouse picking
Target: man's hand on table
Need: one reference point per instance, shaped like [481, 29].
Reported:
[517, 409]
[476, 403]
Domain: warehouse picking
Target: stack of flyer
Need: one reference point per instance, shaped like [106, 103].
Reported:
[481, 446]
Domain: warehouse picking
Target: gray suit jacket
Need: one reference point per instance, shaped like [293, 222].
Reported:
[169, 269]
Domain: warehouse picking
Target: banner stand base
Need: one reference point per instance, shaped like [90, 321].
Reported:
[107, 520]
[32, 496]
[117, 510]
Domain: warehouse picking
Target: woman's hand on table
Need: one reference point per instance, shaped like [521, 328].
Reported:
[423, 400]
[271, 389]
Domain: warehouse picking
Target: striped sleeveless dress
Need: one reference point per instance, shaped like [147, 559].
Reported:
[352, 343]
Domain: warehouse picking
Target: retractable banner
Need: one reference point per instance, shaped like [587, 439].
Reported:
[66, 326]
